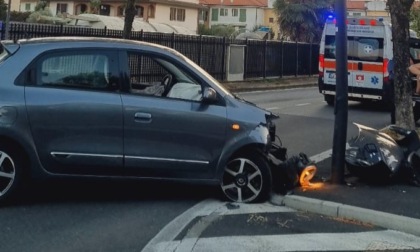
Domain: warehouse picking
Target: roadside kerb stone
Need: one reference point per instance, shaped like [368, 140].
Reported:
[386, 220]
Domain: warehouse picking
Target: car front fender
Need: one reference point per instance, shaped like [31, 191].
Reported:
[256, 139]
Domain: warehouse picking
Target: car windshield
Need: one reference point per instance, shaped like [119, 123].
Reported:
[3, 53]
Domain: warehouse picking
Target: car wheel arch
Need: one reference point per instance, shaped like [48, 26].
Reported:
[18, 147]
[246, 149]
[14, 166]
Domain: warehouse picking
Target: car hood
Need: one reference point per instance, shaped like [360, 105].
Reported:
[269, 114]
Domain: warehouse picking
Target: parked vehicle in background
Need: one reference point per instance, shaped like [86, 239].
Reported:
[94, 107]
[369, 50]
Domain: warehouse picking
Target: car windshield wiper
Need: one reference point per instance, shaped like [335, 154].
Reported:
[242, 99]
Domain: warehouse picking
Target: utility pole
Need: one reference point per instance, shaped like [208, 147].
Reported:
[6, 36]
[341, 98]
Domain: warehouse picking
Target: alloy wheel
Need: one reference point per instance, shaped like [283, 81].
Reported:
[7, 173]
[242, 180]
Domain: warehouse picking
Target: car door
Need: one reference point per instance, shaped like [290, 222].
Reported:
[75, 111]
[173, 136]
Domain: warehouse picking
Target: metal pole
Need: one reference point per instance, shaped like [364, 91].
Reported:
[6, 36]
[341, 98]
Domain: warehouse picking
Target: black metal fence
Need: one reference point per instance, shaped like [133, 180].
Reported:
[263, 59]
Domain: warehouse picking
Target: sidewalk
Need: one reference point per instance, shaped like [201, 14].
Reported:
[394, 205]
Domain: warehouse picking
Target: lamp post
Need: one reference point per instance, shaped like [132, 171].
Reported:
[8, 20]
[341, 98]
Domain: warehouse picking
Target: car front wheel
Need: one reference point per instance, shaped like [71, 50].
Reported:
[247, 179]
[9, 173]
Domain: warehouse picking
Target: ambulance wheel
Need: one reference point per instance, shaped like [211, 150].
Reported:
[329, 99]
[416, 111]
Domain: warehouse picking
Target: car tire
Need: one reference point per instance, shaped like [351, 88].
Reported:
[247, 178]
[416, 111]
[329, 99]
[11, 173]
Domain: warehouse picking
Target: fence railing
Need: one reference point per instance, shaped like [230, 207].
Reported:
[263, 59]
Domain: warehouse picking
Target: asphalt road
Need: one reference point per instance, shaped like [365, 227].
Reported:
[125, 215]
[306, 122]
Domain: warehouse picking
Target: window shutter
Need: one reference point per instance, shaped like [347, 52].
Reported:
[242, 15]
[214, 14]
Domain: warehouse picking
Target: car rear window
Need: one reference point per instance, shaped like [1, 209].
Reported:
[88, 70]
[358, 48]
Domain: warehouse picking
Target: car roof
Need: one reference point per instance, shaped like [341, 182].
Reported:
[99, 41]
[61, 42]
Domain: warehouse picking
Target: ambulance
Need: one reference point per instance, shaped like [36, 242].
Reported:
[369, 51]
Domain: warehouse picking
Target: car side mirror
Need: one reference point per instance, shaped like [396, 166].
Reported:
[209, 95]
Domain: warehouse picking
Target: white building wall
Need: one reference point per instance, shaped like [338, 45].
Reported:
[22, 7]
[14, 4]
[376, 6]
[254, 17]
[162, 15]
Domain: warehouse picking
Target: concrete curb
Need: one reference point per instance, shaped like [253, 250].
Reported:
[271, 84]
[386, 220]
[268, 87]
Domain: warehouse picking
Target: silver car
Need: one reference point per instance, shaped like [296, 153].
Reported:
[118, 108]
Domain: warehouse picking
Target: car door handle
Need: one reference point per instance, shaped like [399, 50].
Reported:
[142, 117]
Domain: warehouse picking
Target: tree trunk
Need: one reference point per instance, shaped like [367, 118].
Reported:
[130, 12]
[400, 12]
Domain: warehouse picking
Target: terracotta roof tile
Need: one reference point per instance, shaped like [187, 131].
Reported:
[258, 3]
[355, 5]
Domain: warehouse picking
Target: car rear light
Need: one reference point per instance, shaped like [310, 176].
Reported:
[321, 65]
[385, 70]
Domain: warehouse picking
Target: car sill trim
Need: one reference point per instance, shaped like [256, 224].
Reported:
[168, 159]
[70, 154]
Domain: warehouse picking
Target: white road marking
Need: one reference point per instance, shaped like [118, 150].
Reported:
[163, 241]
[173, 228]
[324, 155]
[302, 104]
[272, 108]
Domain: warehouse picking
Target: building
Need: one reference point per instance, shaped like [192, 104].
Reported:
[14, 4]
[373, 8]
[271, 19]
[177, 12]
[356, 8]
[117, 23]
[242, 14]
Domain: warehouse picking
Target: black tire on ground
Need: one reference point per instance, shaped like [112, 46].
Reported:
[11, 173]
[416, 111]
[329, 99]
[247, 178]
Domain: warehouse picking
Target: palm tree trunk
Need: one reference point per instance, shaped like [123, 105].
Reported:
[400, 10]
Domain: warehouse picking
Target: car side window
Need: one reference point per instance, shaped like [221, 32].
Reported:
[78, 70]
[153, 75]
[146, 75]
